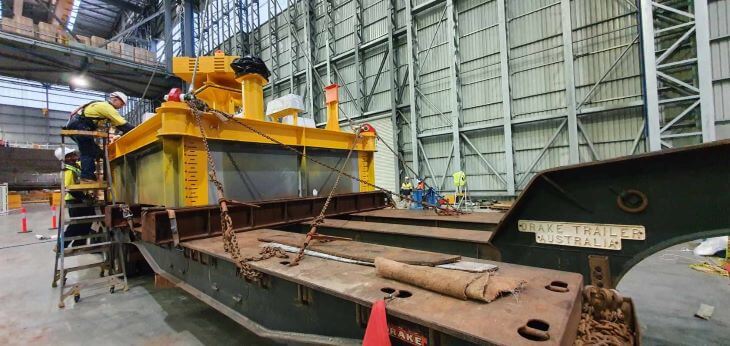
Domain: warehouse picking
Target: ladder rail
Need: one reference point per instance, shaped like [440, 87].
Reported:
[111, 248]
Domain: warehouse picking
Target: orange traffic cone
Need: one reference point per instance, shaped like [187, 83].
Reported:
[23, 222]
[376, 334]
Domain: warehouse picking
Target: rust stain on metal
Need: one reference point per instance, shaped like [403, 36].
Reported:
[494, 323]
[201, 222]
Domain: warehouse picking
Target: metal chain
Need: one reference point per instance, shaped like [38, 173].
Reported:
[320, 218]
[603, 319]
[230, 241]
[202, 107]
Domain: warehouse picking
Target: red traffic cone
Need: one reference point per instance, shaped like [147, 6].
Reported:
[23, 222]
[376, 333]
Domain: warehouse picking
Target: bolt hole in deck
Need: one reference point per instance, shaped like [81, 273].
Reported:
[558, 286]
[403, 294]
[286, 263]
[535, 330]
[396, 293]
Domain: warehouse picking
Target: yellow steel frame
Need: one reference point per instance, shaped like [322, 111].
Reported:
[185, 163]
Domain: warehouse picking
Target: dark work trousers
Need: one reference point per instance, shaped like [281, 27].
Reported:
[89, 152]
[80, 228]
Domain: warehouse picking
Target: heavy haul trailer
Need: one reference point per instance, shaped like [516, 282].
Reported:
[160, 173]
[598, 219]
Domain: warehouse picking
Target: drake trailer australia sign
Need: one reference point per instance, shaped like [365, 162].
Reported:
[593, 235]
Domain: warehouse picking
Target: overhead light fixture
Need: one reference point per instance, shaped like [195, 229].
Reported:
[79, 81]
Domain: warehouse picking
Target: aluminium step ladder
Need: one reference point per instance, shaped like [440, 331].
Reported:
[103, 241]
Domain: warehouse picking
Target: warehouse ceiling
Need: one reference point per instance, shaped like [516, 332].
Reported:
[94, 18]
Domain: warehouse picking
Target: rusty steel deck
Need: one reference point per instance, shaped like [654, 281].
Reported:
[202, 222]
[494, 323]
[477, 221]
[464, 235]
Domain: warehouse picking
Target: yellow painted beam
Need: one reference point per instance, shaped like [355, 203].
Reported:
[175, 119]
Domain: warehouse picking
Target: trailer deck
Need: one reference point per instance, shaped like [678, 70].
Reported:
[332, 298]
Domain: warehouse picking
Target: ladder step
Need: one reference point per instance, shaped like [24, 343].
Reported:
[88, 236]
[84, 219]
[91, 248]
[99, 134]
[87, 186]
[85, 204]
[82, 267]
[106, 280]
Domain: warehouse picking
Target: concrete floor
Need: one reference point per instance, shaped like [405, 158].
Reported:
[666, 291]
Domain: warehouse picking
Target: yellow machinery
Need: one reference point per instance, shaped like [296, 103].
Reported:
[163, 160]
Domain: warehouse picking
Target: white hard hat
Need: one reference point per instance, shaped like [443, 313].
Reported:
[407, 178]
[61, 152]
[120, 95]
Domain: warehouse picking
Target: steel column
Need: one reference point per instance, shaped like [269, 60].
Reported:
[293, 48]
[393, 83]
[309, 35]
[359, 63]
[509, 162]
[453, 32]
[704, 70]
[329, 44]
[255, 30]
[569, 77]
[188, 26]
[246, 27]
[680, 81]
[412, 53]
[273, 24]
[168, 8]
[651, 93]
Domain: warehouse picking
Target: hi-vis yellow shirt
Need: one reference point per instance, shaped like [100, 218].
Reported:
[70, 176]
[103, 110]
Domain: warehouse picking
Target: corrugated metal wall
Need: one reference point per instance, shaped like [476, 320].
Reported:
[495, 73]
[27, 126]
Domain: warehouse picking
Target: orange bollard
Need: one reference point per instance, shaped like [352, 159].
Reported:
[53, 217]
[23, 222]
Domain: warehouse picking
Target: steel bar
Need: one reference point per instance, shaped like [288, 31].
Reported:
[637, 139]
[455, 69]
[675, 45]
[428, 163]
[544, 149]
[506, 96]
[369, 96]
[489, 165]
[605, 74]
[395, 98]
[203, 222]
[309, 31]
[704, 71]
[651, 92]
[293, 48]
[167, 7]
[569, 78]
[446, 168]
[188, 27]
[135, 26]
[411, 55]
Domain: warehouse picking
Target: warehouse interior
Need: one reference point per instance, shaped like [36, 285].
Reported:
[389, 146]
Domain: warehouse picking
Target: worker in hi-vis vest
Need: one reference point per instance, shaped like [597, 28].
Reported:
[88, 118]
[71, 174]
[405, 189]
[459, 183]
